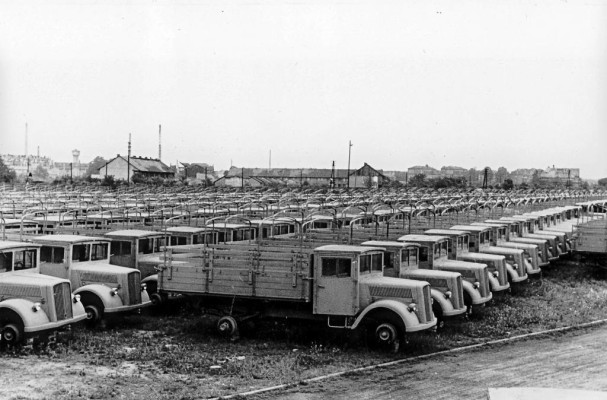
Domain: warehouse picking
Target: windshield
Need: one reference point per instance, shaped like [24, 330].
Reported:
[99, 251]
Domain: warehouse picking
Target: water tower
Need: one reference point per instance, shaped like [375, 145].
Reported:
[76, 162]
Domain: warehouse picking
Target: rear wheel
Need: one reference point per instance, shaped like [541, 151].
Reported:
[227, 326]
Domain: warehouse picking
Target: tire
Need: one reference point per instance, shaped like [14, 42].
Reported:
[385, 331]
[11, 328]
[438, 313]
[93, 306]
[228, 327]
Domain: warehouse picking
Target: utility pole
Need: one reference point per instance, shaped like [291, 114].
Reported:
[159, 143]
[128, 163]
[349, 153]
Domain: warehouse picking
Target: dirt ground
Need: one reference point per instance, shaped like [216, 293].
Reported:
[571, 360]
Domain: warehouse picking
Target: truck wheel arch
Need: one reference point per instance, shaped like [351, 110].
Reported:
[21, 313]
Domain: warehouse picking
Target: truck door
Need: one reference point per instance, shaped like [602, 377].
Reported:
[53, 261]
[336, 286]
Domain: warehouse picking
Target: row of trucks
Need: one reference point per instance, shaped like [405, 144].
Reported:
[389, 287]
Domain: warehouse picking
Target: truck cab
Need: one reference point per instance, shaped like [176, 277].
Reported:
[32, 305]
[459, 242]
[400, 259]
[143, 250]
[500, 231]
[496, 265]
[434, 255]
[105, 290]
[483, 240]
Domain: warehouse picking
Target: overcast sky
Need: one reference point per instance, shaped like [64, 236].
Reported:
[519, 84]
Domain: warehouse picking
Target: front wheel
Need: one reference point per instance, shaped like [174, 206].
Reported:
[386, 332]
[11, 334]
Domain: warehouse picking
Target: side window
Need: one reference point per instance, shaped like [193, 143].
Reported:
[25, 259]
[365, 263]
[423, 254]
[6, 261]
[389, 256]
[145, 246]
[53, 255]
[339, 267]
[81, 252]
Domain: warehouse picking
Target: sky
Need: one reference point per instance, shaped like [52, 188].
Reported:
[519, 84]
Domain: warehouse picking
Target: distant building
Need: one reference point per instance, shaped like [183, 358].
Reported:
[454, 172]
[522, 175]
[118, 167]
[426, 170]
[366, 176]
[24, 165]
[560, 177]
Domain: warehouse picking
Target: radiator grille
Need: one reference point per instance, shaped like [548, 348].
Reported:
[457, 291]
[428, 304]
[134, 285]
[482, 278]
[387, 291]
[503, 274]
[63, 301]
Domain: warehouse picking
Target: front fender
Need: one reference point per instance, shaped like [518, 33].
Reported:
[32, 320]
[408, 318]
[78, 309]
[514, 276]
[495, 284]
[151, 278]
[445, 304]
[103, 292]
[475, 295]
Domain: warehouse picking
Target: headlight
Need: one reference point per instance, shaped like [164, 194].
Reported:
[412, 307]
[144, 286]
[36, 307]
[496, 274]
[477, 285]
[515, 265]
[114, 291]
[448, 294]
[76, 298]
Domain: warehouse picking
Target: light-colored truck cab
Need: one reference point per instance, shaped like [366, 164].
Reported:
[500, 231]
[341, 285]
[105, 290]
[482, 240]
[433, 254]
[459, 247]
[32, 305]
[459, 240]
[142, 250]
[401, 261]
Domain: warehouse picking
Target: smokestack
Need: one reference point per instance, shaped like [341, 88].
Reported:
[159, 142]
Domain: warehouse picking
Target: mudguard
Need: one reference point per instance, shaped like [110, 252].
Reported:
[103, 292]
[445, 304]
[514, 276]
[32, 320]
[78, 309]
[409, 319]
[494, 283]
[151, 278]
[474, 294]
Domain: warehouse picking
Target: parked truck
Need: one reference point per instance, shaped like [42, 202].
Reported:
[105, 290]
[434, 255]
[341, 285]
[32, 305]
